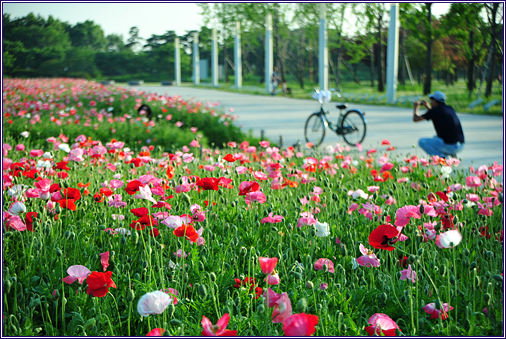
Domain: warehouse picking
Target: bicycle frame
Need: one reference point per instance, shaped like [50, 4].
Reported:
[338, 130]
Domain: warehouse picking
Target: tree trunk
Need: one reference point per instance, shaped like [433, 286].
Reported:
[381, 87]
[428, 66]
[225, 64]
[372, 66]
[491, 71]
[339, 56]
[471, 84]
[279, 61]
[402, 73]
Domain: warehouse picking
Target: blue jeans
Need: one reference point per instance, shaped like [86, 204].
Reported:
[436, 146]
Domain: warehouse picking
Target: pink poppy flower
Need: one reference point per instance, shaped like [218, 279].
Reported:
[373, 189]
[36, 153]
[272, 219]
[306, 220]
[20, 147]
[194, 143]
[267, 265]
[14, 222]
[104, 260]
[282, 309]
[472, 197]
[145, 193]
[322, 261]
[259, 175]
[300, 325]
[381, 323]
[76, 155]
[116, 183]
[368, 259]
[173, 221]
[218, 330]
[271, 297]
[404, 214]
[241, 169]
[257, 196]
[116, 201]
[153, 303]
[264, 144]
[434, 313]
[473, 181]
[448, 239]
[409, 274]
[273, 278]
[386, 167]
[76, 272]
[155, 332]
[172, 292]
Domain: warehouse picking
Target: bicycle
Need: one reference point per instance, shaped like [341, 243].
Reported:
[351, 125]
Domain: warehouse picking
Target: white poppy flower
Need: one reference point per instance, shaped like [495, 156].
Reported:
[153, 303]
[322, 229]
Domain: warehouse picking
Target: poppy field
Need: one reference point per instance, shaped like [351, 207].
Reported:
[119, 234]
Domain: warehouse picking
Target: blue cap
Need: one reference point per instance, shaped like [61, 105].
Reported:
[438, 96]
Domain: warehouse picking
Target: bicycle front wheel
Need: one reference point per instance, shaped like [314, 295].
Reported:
[315, 129]
[353, 128]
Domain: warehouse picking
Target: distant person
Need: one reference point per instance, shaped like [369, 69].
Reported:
[145, 110]
[285, 88]
[450, 137]
[275, 80]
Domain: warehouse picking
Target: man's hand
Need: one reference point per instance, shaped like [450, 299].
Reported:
[425, 104]
[416, 106]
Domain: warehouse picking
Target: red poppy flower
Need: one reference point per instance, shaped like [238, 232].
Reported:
[139, 212]
[484, 232]
[106, 191]
[136, 161]
[229, 158]
[442, 196]
[381, 237]
[170, 172]
[208, 184]
[188, 231]
[72, 193]
[67, 203]
[62, 175]
[431, 198]
[81, 185]
[99, 283]
[30, 216]
[447, 221]
[62, 165]
[248, 186]
[143, 222]
[54, 188]
[98, 197]
[30, 174]
[154, 232]
[403, 262]
[133, 187]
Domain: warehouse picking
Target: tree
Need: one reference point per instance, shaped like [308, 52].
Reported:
[133, 41]
[88, 35]
[492, 15]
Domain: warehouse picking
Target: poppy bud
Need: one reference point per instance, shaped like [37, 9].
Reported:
[7, 286]
[422, 208]
[420, 252]
[47, 231]
[465, 252]
[130, 295]
[135, 238]
[383, 297]
[171, 309]
[344, 251]
[202, 291]
[465, 263]
[325, 268]
[301, 305]
[442, 270]
[452, 280]
[500, 197]
[212, 276]
[261, 308]
[227, 309]
[58, 209]
[175, 322]
[89, 324]
[411, 259]
[186, 198]
[486, 298]
[297, 275]
[480, 243]
[397, 332]
[58, 252]
[310, 285]
[319, 306]
[498, 277]
[489, 254]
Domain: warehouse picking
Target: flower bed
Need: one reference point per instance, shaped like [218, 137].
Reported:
[249, 240]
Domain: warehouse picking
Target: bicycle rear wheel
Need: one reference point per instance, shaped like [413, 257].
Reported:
[314, 131]
[353, 128]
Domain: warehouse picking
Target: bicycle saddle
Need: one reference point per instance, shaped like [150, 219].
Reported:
[341, 106]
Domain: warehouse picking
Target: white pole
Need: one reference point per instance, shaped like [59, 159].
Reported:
[323, 57]
[269, 53]
[393, 53]
[214, 59]
[237, 56]
[177, 62]
[196, 59]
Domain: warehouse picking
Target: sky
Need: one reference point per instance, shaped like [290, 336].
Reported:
[117, 18]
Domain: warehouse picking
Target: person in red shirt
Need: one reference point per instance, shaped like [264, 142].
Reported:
[450, 137]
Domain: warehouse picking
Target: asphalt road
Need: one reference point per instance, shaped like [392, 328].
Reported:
[282, 116]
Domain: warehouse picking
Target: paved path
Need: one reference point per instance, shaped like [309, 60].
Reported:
[284, 116]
